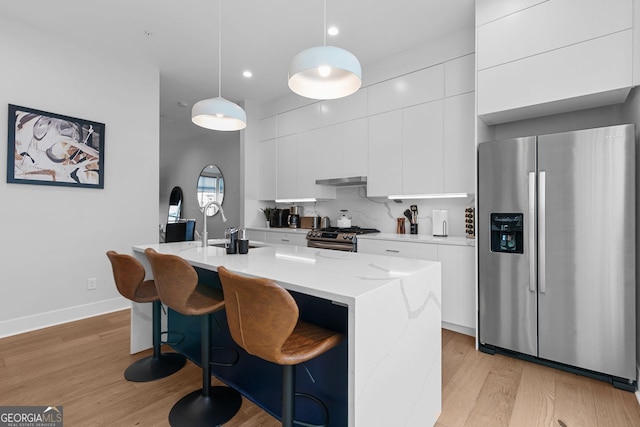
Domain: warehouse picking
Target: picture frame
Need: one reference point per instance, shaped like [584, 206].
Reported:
[46, 148]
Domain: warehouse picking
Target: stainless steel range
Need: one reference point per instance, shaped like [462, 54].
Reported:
[339, 239]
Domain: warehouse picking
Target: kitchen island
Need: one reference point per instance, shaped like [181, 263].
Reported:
[389, 369]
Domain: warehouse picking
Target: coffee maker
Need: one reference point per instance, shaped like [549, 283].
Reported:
[294, 217]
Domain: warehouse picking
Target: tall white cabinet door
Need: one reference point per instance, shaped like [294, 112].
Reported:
[354, 147]
[459, 144]
[267, 167]
[329, 140]
[422, 149]
[307, 162]
[385, 154]
[458, 284]
[287, 167]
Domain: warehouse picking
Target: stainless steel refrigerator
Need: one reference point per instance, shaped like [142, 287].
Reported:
[557, 250]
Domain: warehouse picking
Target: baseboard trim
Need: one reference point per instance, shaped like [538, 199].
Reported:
[460, 329]
[57, 317]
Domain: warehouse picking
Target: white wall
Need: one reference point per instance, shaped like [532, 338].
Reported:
[55, 238]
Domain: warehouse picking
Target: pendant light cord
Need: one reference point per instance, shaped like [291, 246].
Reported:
[220, 48]
[324, 28]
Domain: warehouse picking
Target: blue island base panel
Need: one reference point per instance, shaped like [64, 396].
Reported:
[325, 377]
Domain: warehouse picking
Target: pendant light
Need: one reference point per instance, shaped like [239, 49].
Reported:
[219, 113]
[325, 72]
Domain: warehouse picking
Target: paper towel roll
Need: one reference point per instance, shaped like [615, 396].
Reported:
[440, 222]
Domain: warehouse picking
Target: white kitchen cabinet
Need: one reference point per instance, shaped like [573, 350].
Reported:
[350, 141]
[459, 144]
[287, 167]
[309, 166]
[490, 10]
[460, 76]
[561, 23]
[385, 154]
[399, 249]
[340, 110]
[406, 151]
[355, 147]
[582, 58]
[299, 120]
[422, 149]
[404, 91]
[296, 238]
[458, 276]
[572, 78]
[267, 128]
[458, 289]
[267, 169]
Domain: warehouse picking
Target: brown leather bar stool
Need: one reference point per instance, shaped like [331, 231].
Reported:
[129, 274]
[263, 320]
[178, 287]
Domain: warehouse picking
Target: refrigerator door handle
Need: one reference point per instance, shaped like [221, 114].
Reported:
[542, 229]
[532, 232]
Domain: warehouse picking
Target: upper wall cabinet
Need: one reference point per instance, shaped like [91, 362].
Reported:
[459, 75]
[350, 142]
[267, 128]
[573, 78]
[547, 26]
[309, 168]
[404, 91]
[267, 178]
[344, 109]
[554, 56]
[299, 120]
[459, 144]
[490, 10]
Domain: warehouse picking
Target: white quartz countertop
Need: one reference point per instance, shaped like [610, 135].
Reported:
[334, 275]
[420, 238]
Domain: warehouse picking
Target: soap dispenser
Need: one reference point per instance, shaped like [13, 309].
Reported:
[243, 242]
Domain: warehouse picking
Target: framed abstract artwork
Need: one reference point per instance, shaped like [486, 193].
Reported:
[52, 149]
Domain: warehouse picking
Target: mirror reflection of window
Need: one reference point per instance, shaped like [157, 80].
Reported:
[175, 205]
[210, 187]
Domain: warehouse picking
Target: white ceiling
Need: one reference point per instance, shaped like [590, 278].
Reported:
[260, 35]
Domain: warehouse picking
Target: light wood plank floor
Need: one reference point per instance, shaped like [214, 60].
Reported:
[79, 365]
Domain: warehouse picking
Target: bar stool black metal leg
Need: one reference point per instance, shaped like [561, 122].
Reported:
[288, 394]
[210, 406]
[159, 365]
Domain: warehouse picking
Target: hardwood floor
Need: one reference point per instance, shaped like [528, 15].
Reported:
[483, 390]
[79, 365]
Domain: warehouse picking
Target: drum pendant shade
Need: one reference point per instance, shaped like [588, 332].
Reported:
[325, 72]
[218, 114]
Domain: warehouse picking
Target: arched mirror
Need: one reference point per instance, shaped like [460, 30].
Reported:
[210, 188]
[175, 205]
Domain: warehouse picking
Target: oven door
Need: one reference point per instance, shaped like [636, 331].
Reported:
[336, 246]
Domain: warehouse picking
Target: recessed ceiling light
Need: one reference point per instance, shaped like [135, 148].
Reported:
[247, 73]
[333, 31]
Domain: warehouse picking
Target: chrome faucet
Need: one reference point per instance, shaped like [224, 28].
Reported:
[205, 236]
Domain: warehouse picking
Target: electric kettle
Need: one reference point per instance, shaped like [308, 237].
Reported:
[344, 221]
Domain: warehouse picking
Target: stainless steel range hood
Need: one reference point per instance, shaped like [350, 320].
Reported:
[353, 181]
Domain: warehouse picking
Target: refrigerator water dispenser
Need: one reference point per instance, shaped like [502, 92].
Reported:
[507, 232]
